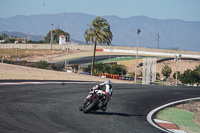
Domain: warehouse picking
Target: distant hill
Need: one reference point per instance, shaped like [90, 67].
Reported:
[19, 34]
[184, 35]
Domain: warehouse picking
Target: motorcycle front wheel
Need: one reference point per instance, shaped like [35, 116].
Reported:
[90, 106]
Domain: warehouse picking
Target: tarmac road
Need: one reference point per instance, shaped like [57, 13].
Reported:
[54, 108]
[97, 58]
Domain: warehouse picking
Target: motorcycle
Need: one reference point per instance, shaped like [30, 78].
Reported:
[92, 104]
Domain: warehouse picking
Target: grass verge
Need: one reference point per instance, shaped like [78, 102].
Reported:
[183, 119]
[120, 59]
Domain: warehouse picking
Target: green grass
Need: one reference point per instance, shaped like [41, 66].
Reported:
[160, 83]
[125, 58]
[183, 119]
[120, 59]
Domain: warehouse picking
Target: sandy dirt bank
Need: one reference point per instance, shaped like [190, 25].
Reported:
[15, 72]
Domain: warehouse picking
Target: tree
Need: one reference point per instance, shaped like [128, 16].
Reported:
[157, 76]
[195, 77]
[105, 68]
[166, 71]
[178, 75]
[99, 68]
[185, 78]
[4, 36]
[191, 76]
[197, 74]
[98, 33]
[132, 74]
[118, 69]
[197, 69]
[56, 34]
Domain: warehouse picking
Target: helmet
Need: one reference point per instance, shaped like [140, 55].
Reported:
[107, 82]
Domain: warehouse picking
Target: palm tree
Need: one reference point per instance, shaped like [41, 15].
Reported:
[98, 33]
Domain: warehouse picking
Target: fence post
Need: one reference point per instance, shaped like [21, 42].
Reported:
[2, 59]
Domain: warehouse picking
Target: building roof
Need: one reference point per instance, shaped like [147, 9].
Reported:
[62, 36]
[16, 38]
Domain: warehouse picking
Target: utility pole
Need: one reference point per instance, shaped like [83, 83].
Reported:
[138, 32]
[158, 39]
[28, 36]
[176, 59]
[51, 35]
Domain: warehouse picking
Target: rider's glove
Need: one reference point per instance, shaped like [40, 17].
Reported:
[94, 88]
[102, 84]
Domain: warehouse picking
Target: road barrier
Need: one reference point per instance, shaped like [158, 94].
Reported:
[130, 50]
[113, 76]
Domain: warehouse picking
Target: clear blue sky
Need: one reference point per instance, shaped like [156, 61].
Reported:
[188, 10]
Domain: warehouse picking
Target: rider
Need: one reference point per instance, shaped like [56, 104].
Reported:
[105, 89]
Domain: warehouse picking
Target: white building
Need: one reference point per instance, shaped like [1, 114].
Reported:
[62, 40]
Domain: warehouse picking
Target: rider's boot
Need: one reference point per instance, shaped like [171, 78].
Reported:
[84, 103]
[81, 108]
[104, 108]
[104, 105]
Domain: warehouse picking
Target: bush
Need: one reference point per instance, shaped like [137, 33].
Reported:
[166, 71]
[190, 77]
[132, 74]
[41, 64]
[105, 68]
[118, 69]
[178, 75]
[98, 68]
[157, 76]
[6, 61]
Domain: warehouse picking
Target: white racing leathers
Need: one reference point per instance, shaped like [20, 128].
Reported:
[103, 89]
[107, 90]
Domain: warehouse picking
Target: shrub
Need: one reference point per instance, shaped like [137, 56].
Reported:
[166, 71]
[41, 64]
[190, 77]
[105, 68]
[132, 74]
[118, 69]
[157, 76]
[178, 75]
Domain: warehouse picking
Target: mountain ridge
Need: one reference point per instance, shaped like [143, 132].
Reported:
[174, 33]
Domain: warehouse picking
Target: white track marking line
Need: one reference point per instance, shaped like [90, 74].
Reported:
[25, 83]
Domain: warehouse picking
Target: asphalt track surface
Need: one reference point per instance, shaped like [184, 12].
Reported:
[97, 58]
[54, 108]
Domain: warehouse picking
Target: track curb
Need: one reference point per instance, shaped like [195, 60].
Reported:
[164, 125]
